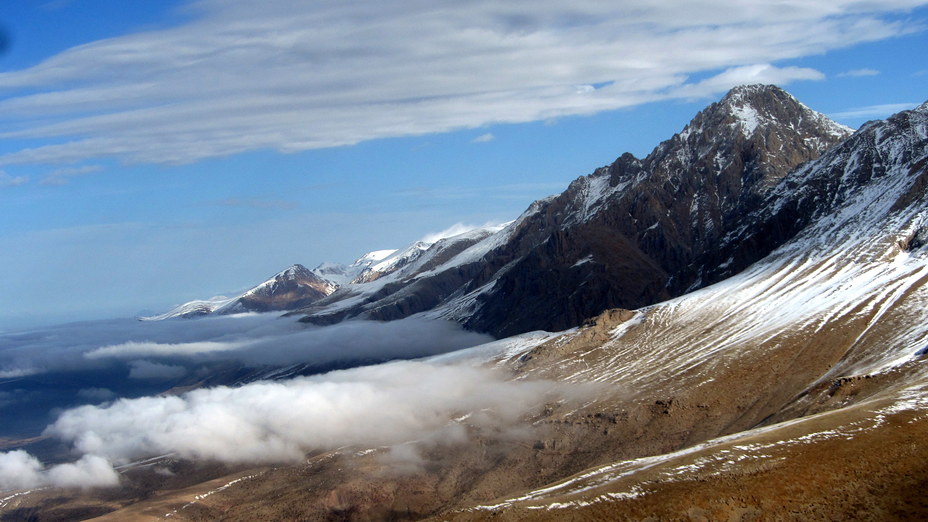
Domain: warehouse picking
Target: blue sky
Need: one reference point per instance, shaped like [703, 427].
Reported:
[156, 152]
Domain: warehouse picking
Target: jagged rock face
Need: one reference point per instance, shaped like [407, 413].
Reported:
[818, 188]
[639, 225]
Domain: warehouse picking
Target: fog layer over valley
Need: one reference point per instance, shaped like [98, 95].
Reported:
[93, 385]
[279, 422]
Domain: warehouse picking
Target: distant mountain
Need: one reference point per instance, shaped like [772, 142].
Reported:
[628, 235]
[298, 287]
[291, 288]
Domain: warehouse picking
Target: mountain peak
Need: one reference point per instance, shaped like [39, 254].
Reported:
[755, 89]
[761, 106]
[748, 110]
[294, 270]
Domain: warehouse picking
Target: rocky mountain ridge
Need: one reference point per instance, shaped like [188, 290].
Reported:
[627, 235]
[323, 281]
[630, 234]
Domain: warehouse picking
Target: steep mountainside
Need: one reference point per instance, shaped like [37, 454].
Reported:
[628, 235]
[296, 286]
[807, 370]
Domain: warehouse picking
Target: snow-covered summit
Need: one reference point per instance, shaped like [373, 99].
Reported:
[752, 107]
[293, 276]
[373, 257]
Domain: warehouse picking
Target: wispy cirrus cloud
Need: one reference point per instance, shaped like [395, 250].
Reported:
[7, 180]
[63, 176]
[872, 111]
[749, 74]
[859, 73]
[292, 76]
[507, 191]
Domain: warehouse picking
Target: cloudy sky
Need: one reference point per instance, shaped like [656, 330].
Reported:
[157, 152]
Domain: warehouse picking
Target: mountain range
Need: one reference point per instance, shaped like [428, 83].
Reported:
[746, 308]
[630, 234]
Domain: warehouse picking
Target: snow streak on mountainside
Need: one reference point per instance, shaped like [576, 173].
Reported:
[628, 235]
[341, 275]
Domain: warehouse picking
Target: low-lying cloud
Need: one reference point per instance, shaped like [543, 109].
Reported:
[20, 470]
[278, 422]
[108, 377]
[117, 411]
[251, 339]
[141, 349]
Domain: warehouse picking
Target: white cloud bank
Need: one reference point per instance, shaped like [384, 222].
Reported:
[292, 75]
[20, 470]
[374, 406]
[132, 349]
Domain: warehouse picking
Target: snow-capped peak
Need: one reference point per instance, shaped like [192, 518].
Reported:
[750, 107]
[293, 271]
